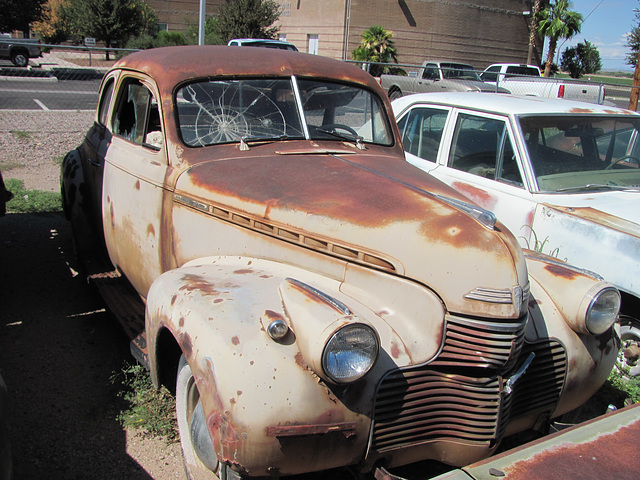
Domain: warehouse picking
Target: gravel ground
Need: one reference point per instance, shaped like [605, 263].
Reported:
[58, 347]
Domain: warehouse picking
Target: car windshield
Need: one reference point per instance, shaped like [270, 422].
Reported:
[212, 112]
[459, 71]
[578, 153]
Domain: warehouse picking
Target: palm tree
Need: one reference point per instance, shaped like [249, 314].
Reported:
[376, 46]
[557, 21]
[533, 28]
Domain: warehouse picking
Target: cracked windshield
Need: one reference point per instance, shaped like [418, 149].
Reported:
[574, 153]
[215, 112]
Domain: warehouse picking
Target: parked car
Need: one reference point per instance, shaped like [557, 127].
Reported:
[5, 196]
[19, 50]
[262, 42]
[437, 76]
[563, 176]
[6, 464]
[601, 448]
[527, 80]
[318, 302]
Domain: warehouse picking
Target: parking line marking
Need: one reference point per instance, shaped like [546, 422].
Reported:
[42, 105]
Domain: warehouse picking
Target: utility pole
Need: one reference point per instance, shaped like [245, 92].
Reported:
[203, 4]
[633, 100]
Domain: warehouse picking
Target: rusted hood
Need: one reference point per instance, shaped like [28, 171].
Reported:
[367, 203]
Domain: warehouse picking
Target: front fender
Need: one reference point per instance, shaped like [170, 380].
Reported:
[557, 310]
[266, 403]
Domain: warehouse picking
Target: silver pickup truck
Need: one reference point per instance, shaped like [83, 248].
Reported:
[19, 50]
[437, 76]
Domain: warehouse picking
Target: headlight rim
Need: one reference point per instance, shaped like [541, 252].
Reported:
[373, 359]
[594, 299]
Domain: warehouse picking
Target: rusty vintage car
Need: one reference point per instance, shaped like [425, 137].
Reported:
[317, 302]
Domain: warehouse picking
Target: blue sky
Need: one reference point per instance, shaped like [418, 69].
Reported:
[606, 24]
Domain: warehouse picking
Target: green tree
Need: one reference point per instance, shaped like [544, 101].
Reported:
[376, 46]
[54, 25]
[582, 59]
[555, 22]
[247, 19]
[112, 21]
[18, 14]
[633, 40]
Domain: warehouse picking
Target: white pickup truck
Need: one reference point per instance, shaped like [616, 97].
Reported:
[527, 80]
[437, 76]
[19, 50]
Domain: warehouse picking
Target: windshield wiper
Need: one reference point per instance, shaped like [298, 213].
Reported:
[596, 186]
[244, 141]
[344, 136]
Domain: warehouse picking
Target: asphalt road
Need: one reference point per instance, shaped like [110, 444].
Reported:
[48, 93]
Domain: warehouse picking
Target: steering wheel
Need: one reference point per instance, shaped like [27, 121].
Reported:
[340, 126]
[626, 158]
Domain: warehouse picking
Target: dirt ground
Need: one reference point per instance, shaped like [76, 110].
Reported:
[58, 346]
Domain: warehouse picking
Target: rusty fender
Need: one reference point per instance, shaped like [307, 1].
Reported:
[557, 307]
[269, 402]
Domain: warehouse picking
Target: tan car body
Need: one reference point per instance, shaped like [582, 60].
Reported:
[220, 241]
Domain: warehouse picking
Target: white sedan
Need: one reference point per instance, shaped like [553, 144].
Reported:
[563, 176]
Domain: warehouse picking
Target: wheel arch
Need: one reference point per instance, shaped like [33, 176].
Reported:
[166, 356]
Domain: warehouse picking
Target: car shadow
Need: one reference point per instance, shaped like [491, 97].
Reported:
[58, 352]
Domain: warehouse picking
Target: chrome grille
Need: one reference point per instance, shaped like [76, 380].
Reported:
[419, 404]
[475, 343]
[541, 385]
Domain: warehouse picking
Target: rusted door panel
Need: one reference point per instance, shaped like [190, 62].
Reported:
[133, 213]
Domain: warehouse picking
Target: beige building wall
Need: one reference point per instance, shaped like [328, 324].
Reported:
[476, 32]
[479, 33]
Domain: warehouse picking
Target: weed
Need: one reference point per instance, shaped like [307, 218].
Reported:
[31, 201]
[149, 409]
[624, 389]
[538, 246]
[21, 134]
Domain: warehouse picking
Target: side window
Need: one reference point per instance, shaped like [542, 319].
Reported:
[137, 117]
[430, 72]
[491, 74]
[105, 100]
[483, 147]
[422, 132]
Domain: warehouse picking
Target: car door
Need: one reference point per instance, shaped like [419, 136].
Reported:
[134, 192]
[475, 154]
[93, 150]
[483, 163]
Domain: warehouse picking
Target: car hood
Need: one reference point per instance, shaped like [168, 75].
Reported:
[615, 210]
[373, 205]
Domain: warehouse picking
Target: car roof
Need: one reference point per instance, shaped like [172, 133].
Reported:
[260, 41]
[169, 66]
[507, 103]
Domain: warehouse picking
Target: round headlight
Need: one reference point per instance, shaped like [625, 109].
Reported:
[350, 353]
[603, 311]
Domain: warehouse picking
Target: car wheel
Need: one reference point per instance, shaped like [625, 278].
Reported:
[629, 356]
[19, 59]
[197, 450]
[395, 94]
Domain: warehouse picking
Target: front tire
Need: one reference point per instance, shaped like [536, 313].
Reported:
[629, 356]
[20, 59]
[197, 449]
[395, 94]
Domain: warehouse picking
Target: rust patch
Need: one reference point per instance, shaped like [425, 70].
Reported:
[218, 300]
[581, 110]
[300, 360]
[186, 344]
[181, 322]
[243, 271]
[151, 231]
[195, 283]
[173, 300]
[235, 340]
[137, 185]
[395, 350]
[600, 458]
[481, 197]
[560, 271]
[271, 315]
